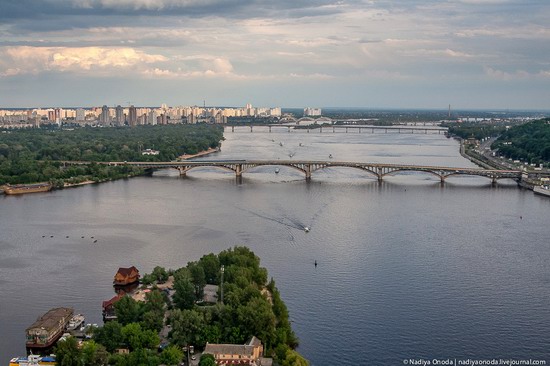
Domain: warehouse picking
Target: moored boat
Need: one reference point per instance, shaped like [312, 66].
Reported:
[33, 360]
[27, 188]
[75, 322]
[543, 190]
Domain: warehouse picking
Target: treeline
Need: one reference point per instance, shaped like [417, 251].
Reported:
[252, 306]
[529, 142]
[33, 155]
[475, 130]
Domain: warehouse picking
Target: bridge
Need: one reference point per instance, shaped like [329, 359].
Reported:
[348, 128]
[308, 167]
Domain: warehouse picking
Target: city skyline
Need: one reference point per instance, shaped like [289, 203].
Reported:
[472, 54]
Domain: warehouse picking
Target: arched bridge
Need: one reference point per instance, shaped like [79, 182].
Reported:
[308, 167]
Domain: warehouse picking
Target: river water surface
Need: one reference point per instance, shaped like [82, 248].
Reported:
[408, 268]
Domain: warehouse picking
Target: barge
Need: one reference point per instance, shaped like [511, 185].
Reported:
[27, 188]
[47, 329]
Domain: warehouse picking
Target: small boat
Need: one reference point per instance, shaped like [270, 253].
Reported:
[330, 156]
[281, 143]
[306, 229]
[75, 322]
[276, 170]
[301, 144]
[290, 155]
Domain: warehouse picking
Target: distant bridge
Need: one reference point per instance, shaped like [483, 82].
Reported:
[347, 128]
[308, 167]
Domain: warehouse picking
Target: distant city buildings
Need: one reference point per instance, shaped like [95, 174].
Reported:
[132, 116]
[312, 112]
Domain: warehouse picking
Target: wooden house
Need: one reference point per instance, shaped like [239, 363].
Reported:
[126, 276]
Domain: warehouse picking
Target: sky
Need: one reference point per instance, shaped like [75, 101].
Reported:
[478, 54]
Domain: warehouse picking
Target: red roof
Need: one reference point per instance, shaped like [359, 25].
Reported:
[110, 302]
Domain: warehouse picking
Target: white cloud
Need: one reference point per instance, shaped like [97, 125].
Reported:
[33, 60]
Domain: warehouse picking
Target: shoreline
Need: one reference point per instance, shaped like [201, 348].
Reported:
[199, 154]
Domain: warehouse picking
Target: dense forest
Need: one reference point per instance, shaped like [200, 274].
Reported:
[34, 155]
[476, 130]
[252, 306]
[529, 142]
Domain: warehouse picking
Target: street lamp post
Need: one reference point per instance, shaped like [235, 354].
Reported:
[223, 270]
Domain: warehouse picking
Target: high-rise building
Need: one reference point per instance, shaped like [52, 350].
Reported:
[104, 118]
[80, 115]
[132, 116]
[119, 116]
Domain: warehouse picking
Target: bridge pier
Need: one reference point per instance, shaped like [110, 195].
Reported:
[232, 128]
[183, 170]
[308, 172]
[239, 170]
[250, 128]
[493, 181]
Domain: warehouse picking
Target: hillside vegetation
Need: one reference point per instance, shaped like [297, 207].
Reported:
[529, 142]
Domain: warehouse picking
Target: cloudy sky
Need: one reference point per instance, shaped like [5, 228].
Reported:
[492, 54]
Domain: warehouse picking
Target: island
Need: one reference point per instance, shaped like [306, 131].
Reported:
[221, 309]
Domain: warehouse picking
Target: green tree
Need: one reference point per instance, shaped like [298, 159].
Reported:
[171, 355]
[207, 360]
[186, 327]
[198, 278]
[110, 335]
[128, 310]
[67, 353]
[160, 274]
[137, 338]
[94, 354]
[184, 296]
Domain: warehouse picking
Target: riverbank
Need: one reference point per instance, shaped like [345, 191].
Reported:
[199, 154]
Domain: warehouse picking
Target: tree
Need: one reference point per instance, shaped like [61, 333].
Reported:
[137, 338]
[127, 310]
[198, 278]
[211, 267]
[171, 355]
[110, 335]
[160, 274]
[184, 297]
[207, 360]
[67, 353]
[186, 327]
[94, 354]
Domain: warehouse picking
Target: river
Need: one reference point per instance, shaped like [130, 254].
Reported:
[408, 268]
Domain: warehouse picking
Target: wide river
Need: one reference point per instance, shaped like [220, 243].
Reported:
[407, 269]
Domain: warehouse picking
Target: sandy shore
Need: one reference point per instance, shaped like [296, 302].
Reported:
[202, 153]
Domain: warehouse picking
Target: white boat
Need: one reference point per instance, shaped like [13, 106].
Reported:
[276, 170]
[543, 190]
[330, 156]
[75, 322]
[306, 229]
